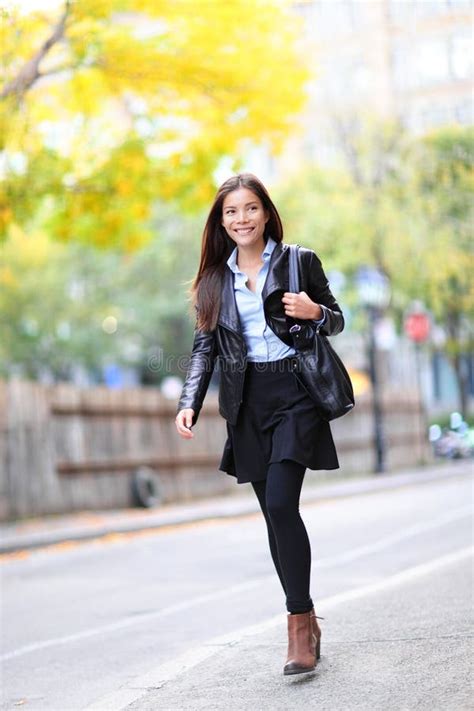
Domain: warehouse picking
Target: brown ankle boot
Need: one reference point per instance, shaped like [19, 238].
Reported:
[316, 631]
[301, 644]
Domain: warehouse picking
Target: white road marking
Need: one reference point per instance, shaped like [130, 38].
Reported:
[332, 561]
[133, 620]
[387, 541]
[156, 678]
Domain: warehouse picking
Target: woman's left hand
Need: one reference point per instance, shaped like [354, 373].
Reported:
[301, 306]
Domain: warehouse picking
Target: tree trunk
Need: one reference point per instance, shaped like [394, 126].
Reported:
[458, 360]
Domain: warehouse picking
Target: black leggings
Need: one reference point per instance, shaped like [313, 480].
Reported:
[290, 548]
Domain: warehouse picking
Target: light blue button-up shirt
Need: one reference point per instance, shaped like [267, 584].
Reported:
[262, 343]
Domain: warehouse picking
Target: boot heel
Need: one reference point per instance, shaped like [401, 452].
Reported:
[316, 632]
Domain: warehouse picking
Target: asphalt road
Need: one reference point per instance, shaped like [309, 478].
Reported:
[192, 617]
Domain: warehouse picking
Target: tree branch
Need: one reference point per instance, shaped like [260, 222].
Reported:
[30, 72]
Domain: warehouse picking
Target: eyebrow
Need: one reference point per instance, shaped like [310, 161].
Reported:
[253, 202]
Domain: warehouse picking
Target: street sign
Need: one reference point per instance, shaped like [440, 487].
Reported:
[417, 327]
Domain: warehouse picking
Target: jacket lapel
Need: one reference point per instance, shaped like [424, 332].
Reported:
[277, 278]
[228, 315]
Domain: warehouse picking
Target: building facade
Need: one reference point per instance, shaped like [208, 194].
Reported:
[406, 59]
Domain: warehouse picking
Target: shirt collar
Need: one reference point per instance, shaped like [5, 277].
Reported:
[266, 254]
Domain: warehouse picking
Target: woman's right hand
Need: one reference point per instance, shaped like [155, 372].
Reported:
[184, 421]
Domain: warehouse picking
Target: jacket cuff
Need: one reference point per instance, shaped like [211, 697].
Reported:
[320, 321]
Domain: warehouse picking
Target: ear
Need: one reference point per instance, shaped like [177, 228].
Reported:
[267, 215]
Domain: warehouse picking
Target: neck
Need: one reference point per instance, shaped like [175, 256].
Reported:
[251, 254]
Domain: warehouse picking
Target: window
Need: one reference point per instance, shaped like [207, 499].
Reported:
[404, 12]
[340, 15]
[461, 56]
[459, 5]
[433, 61]
[464, 113]
[436, 115]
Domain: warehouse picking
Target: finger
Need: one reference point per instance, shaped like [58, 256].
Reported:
[184, 432]
[179, 423]
[179, 426]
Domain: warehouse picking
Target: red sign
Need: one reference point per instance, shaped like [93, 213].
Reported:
[417, 327]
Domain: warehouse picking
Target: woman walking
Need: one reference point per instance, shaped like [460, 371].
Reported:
[243, 308]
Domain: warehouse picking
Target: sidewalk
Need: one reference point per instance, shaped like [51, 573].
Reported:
[48, 530]
[402, 643]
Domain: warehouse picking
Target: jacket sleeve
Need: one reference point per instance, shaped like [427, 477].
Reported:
[199, 372]
[318, 290]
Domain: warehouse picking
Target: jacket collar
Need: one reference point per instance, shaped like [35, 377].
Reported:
[266, 254]
[277, 279]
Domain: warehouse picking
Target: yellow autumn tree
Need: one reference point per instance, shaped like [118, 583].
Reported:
[106, 105]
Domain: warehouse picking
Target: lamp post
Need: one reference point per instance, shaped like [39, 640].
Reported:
[374, 293]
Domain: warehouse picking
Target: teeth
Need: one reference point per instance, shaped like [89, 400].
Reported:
[248, 229]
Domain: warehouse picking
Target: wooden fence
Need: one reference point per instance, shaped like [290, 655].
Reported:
[64, 448]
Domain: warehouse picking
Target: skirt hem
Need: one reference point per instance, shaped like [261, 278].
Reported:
[329, 467]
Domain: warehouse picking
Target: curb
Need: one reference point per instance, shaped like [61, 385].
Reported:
[221, 508]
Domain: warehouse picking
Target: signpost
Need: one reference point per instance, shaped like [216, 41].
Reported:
[417, 326]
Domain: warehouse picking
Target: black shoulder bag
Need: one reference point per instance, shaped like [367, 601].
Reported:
[318, 367]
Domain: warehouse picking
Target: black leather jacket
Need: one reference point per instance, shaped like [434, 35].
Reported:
[224, 348]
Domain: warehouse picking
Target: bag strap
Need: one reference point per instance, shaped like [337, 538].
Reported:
[294, 284]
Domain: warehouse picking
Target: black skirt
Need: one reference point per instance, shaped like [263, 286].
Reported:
[277, 420]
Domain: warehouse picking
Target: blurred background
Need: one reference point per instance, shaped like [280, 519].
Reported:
[119, 119]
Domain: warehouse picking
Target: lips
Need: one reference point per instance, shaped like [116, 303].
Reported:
[244, 230]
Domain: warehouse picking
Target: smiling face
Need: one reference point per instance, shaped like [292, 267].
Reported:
[244, 217]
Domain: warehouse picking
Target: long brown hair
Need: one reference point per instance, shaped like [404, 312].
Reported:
[217, 246]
